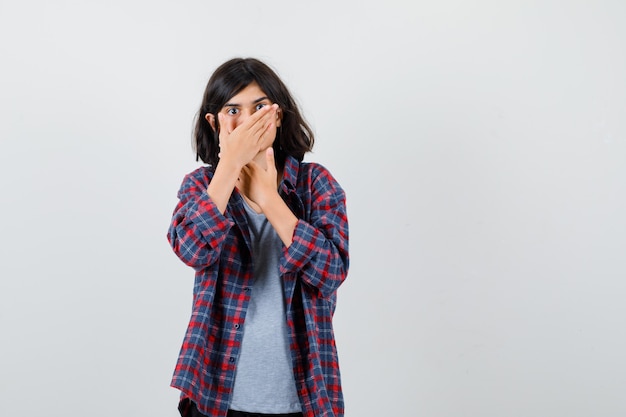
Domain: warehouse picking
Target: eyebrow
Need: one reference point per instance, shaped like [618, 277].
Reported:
[258, 100]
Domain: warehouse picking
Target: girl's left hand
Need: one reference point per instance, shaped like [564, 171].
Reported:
[259, 184]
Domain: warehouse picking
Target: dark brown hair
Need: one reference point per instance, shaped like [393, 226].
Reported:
[294, 137]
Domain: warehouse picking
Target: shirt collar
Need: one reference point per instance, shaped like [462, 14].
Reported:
[288, 186]
[290, 174]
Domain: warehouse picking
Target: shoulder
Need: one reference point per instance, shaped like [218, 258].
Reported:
[197, 179]
[201, 174]
[318, 177]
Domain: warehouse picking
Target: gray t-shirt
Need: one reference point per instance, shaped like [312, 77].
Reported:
[264, 381]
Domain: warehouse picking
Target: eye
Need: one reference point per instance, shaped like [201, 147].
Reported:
[232, 111]
[260, 106]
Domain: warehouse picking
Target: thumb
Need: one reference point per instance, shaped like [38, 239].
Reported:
[269, 158]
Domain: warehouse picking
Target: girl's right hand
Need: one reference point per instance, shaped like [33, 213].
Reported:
[240, 144]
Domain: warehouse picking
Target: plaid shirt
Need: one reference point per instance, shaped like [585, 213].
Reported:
[312, 268]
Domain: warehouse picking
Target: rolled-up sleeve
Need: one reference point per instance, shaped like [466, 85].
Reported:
[198, 229]
[319, 250]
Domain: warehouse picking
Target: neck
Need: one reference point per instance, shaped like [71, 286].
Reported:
[261, 160]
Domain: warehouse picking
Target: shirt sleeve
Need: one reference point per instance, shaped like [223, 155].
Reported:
[198, 229]
[319, 251]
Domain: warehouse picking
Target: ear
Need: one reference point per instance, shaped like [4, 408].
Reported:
[211, 119]
[279, 116]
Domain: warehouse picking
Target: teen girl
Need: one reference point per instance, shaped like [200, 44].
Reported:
[267, 235]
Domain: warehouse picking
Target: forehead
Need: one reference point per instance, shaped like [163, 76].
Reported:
[250, 94]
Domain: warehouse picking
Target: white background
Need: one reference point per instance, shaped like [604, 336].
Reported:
[482, 145]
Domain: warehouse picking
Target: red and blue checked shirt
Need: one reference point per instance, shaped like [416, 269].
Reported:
[218, 246]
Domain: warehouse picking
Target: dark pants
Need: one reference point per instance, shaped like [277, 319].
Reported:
[188, 409]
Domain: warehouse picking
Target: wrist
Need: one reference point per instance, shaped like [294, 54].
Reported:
[271, 199]
[229, 167]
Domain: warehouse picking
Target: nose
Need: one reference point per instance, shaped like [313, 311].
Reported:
[243, 115]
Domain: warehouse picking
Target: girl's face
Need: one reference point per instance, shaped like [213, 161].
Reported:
[243, 105]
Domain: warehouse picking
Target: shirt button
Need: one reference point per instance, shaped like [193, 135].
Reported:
[237, 326]
[247, 289]
[231, 360]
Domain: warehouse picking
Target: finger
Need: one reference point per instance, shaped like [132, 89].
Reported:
[222, 128]
[270, 129]
[259, 121]
[266, 112]
[269, 158]
[258, 129]
[255, 118]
